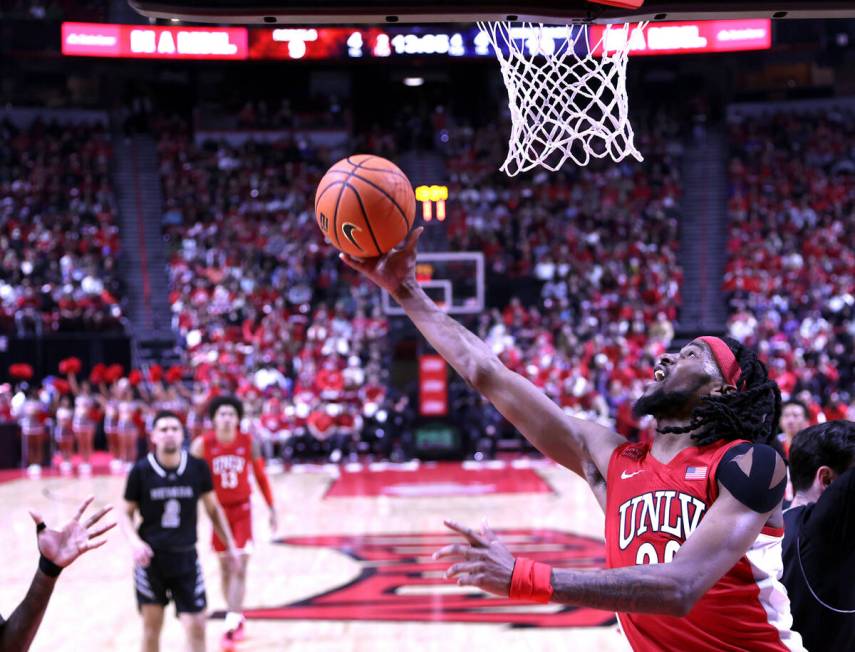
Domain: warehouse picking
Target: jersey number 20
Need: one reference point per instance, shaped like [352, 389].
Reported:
[647, 553]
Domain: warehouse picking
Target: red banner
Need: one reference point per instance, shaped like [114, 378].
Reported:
[689, 37]
[433, 386]
[152, 42]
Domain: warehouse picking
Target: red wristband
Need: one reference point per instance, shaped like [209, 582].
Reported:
[531, 580]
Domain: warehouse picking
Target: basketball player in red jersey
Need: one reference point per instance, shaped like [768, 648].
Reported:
[230, 452]
[693, 518]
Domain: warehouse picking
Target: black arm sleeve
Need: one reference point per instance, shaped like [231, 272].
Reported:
[132, 488]
[833, 515]
[206, 482]
[752, 490]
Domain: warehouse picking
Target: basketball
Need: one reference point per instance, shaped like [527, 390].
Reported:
[365, 205]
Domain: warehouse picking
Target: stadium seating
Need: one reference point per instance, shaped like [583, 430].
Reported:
[58, 238]
[791, 269]
[601, 244]
[258, 298]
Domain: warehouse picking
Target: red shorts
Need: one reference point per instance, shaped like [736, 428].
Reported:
[239, 517]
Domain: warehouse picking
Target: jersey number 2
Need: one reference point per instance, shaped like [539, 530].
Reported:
[171, 517]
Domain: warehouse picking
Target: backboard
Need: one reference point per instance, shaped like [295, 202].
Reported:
[453, 279]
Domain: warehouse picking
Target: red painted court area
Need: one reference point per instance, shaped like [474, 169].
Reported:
[440, 479]
[399, 581]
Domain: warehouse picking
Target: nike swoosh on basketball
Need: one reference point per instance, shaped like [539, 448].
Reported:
[348, 229]
[626, 476]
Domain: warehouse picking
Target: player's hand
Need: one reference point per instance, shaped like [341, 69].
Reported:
[274, 523]
[64, 546]
[484, 561]
[393, 269]
[142, 553]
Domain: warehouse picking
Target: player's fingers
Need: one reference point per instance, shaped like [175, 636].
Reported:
[413, 238]
[453, 550]
[470, 579]
[465, 567]
[487, 532]
[98, 533]
[97, 516]
[83, 507]
[91, 545]
[473, 537]
[347, 260]
[353, 263]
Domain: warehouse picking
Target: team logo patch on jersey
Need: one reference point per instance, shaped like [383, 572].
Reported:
[696, 473]
[400, 582]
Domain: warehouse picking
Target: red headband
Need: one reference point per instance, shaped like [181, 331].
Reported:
[725, 359]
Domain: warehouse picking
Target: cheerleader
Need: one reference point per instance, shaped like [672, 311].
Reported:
[64, 434]
[32, 417]
[83, 424]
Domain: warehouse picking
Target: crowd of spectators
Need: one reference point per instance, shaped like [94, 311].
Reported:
[601, 245]
[587, 256]
[790, 276]
[257, 295]
[261, 302]
[58, 238]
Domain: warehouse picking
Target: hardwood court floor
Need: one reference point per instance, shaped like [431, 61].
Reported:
[351, 570]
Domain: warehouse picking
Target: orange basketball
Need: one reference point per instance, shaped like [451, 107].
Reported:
[365, 205]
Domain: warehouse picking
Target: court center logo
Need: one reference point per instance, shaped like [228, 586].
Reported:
[400, 582]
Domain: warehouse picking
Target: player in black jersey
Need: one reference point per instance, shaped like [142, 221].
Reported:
[819, 539]
[165, 487]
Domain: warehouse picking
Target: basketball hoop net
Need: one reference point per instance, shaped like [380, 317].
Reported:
[566, 92]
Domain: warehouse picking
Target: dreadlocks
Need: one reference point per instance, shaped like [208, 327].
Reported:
[751, 412]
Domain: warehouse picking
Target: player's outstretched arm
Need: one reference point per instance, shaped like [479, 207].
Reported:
[573, 443]
[724, 535]
[58, 549]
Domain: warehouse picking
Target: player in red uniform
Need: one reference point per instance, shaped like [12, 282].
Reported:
[693, 518]
[230, 453]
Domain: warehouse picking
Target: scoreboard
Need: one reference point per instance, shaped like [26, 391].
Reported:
[384, 42]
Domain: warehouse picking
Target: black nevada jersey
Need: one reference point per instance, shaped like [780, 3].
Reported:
[167, 500]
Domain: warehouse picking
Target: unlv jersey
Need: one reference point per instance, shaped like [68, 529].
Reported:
[651, 509]
[230, 464]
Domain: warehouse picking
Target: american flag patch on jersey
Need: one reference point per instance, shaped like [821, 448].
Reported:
[696, 473]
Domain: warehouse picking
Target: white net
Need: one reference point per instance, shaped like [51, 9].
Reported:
[566, 92]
